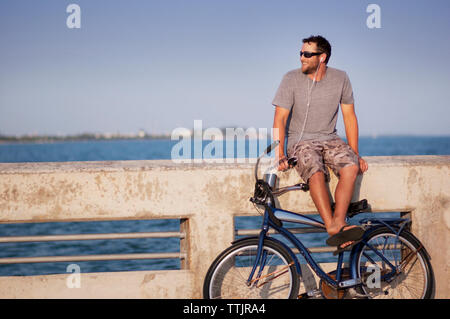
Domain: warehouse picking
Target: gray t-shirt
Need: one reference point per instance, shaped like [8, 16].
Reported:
[326, 95]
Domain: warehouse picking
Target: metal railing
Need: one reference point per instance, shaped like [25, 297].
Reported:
[182, 255]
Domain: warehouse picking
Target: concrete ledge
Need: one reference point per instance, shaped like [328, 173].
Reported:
[208, 196]
[114, 285]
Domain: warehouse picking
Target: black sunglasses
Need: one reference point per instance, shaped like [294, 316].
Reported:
[308, 54]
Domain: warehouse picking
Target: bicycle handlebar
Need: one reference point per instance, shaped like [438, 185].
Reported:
[292, 163]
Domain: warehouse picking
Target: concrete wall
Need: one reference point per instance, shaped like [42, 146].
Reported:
[208, 196]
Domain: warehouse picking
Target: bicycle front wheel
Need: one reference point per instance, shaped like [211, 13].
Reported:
[394, 267]
[275, 277]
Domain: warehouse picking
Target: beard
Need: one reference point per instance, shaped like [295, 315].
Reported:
[309, 68]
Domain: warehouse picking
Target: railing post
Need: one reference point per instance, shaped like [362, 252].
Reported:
[184, 243]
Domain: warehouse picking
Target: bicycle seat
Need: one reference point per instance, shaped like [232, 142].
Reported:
[355, 208]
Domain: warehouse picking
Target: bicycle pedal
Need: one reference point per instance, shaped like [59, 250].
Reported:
[303, 296]
[314, 294]
[353, 294]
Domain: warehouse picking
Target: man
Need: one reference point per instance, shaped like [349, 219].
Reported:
[310, 97]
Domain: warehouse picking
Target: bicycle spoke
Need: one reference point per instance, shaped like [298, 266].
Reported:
[283, 270]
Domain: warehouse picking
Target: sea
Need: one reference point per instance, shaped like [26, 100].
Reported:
[150, 149]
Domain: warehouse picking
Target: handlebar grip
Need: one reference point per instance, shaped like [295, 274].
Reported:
[292, 162]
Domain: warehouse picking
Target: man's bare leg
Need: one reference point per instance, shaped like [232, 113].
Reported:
[320, 197]
[343, 195]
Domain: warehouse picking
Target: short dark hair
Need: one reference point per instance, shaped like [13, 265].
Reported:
[322, 44]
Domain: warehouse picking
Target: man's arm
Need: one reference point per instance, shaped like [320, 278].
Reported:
[279, 129]
[351, 131]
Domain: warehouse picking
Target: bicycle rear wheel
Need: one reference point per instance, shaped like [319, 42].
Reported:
[405, 271]
[227, 277]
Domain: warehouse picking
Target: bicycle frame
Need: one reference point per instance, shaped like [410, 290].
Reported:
[285, 215]
[289, 216]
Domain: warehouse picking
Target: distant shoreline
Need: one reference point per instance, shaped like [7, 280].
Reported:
[76, 138]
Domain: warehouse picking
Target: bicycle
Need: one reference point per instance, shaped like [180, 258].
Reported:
[389, 262]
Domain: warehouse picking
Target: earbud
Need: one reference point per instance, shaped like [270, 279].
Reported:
[321, 59]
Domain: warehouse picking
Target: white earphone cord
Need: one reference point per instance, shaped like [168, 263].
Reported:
[308, 102]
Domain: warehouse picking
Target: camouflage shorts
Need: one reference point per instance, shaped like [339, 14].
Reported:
[312, 156]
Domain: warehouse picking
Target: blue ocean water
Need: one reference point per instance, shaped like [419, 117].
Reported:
[114, 150]
[146, 150]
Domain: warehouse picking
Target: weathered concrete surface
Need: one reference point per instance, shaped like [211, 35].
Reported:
[114, 285]
[209, 196]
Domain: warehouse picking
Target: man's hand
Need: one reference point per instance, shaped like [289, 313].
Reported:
[351, 131]
[363, 166]
[283, 163]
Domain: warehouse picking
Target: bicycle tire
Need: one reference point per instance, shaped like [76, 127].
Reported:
[228, 274]
[415, 280]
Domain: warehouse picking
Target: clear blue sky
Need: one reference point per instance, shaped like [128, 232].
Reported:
[158, 65]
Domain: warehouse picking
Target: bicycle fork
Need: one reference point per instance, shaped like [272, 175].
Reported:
[261, 256]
